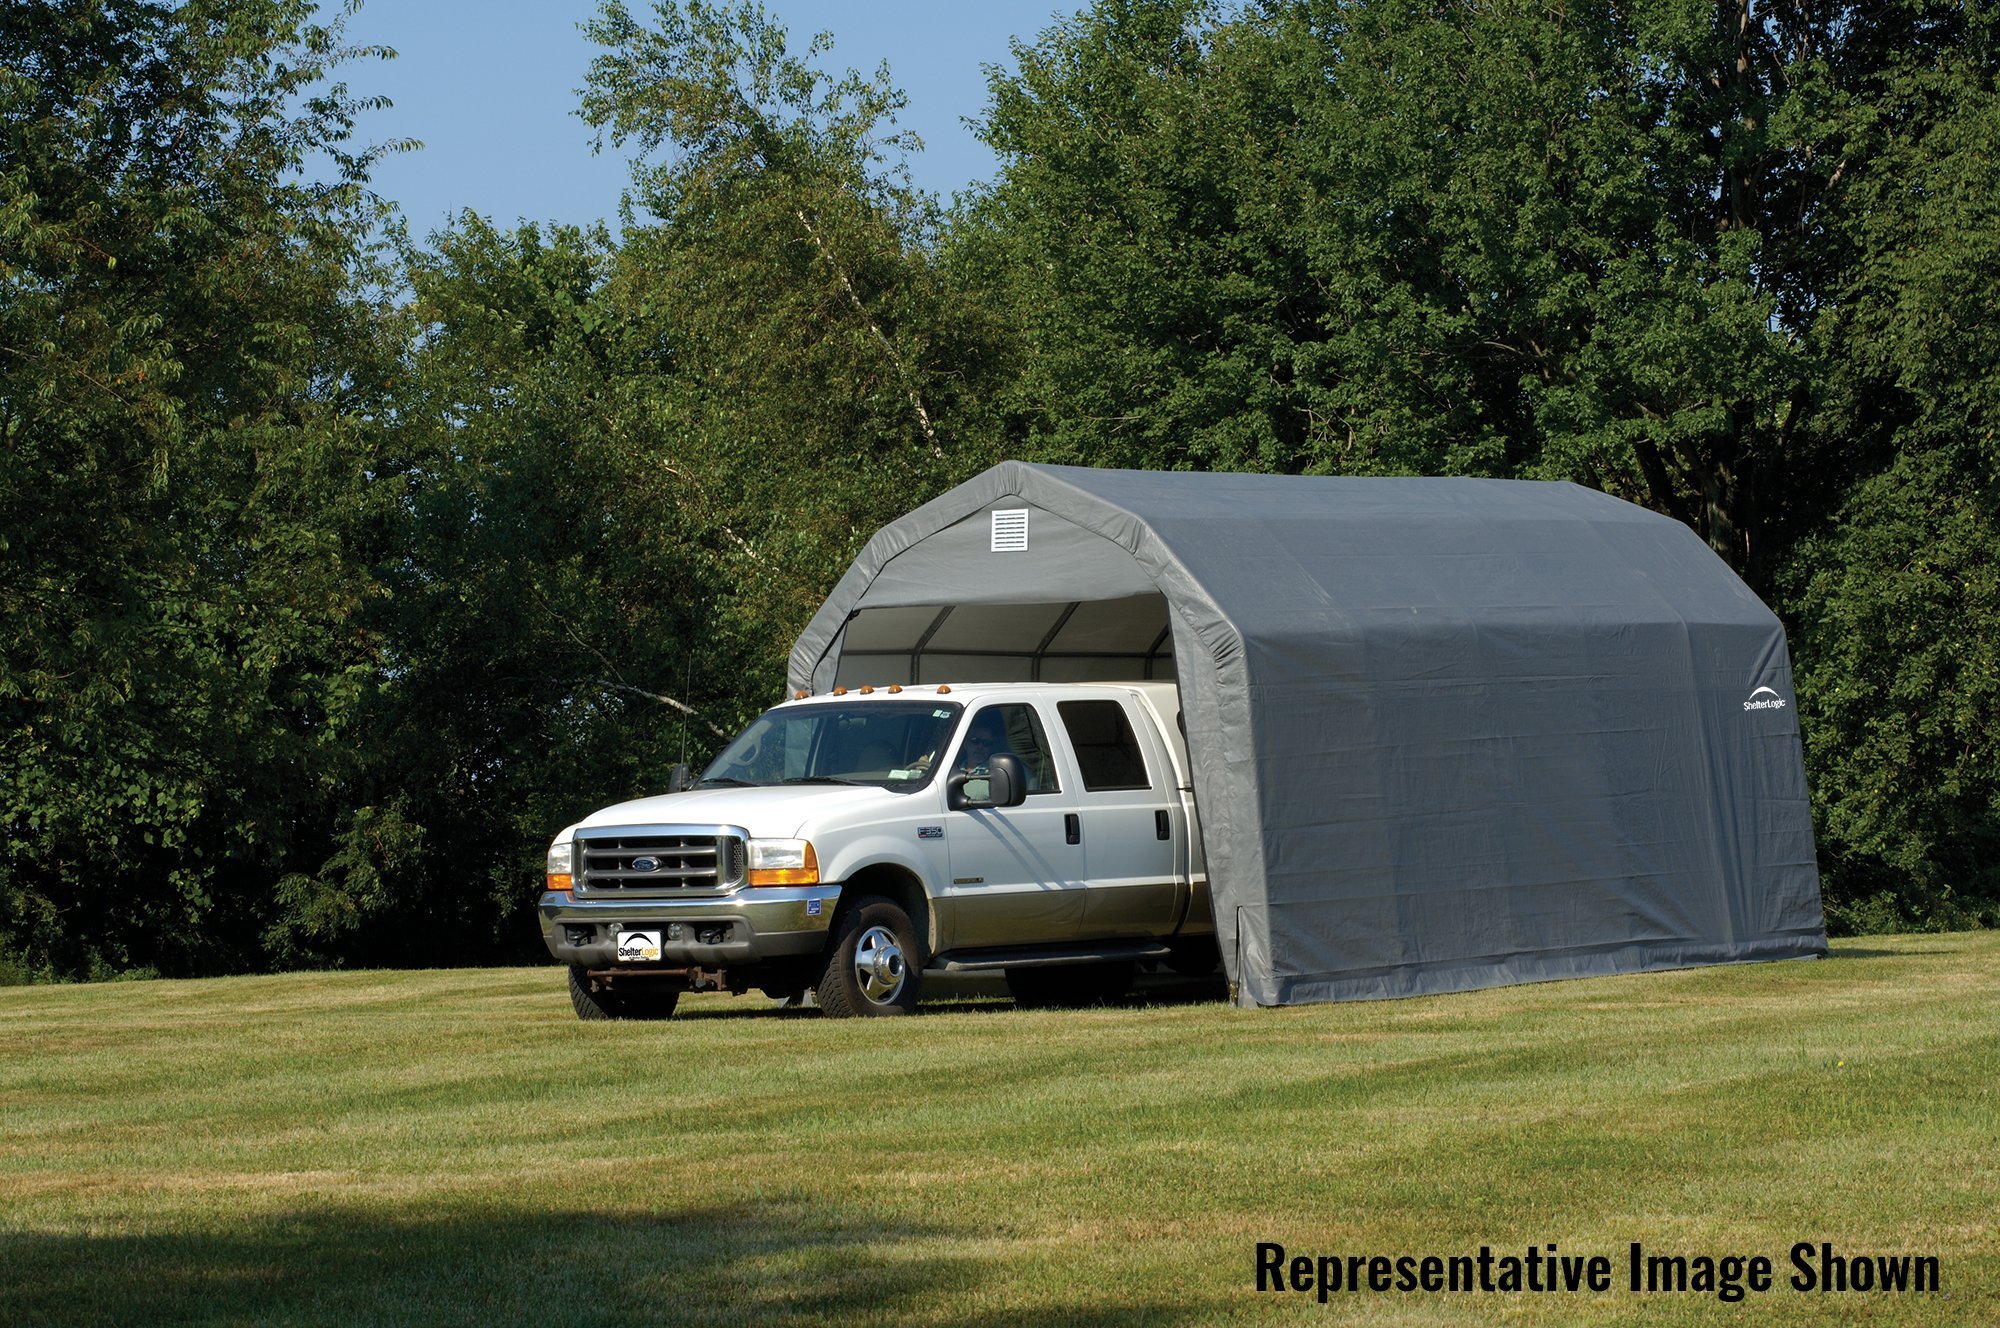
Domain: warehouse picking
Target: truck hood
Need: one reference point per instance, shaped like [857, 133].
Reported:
[775, 812]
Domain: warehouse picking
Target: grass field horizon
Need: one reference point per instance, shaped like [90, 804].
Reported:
[454, 1147]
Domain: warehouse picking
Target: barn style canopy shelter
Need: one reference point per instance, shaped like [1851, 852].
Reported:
[1446, 733]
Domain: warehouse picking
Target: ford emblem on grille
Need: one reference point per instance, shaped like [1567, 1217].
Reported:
[645, 864]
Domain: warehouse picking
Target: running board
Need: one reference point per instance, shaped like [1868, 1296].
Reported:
[1112, 952]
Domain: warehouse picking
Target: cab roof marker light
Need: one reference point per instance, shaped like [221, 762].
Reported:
[895, 688]
[867, 691]
[840, 691]
[944, 689]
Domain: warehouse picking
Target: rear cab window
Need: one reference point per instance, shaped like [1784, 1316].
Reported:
[1107, 750]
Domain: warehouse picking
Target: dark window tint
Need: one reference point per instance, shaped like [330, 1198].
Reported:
[1105, 745]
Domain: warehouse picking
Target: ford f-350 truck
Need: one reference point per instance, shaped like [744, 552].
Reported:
[850, 843]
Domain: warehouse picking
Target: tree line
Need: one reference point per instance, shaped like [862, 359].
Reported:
[341, 566]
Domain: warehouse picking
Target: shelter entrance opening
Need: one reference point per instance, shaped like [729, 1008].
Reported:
[1109, 640]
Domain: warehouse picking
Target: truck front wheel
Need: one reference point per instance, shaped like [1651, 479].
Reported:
[593, 1000]
[875, 967]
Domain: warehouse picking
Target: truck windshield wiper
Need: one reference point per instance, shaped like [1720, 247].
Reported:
[819, 779]
[732, 783]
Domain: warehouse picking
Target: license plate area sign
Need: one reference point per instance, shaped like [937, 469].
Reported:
[638, 947]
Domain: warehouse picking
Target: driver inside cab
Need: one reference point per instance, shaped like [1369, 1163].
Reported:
[981, 741]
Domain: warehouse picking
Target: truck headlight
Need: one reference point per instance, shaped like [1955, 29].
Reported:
[782, 862]
[561, 860]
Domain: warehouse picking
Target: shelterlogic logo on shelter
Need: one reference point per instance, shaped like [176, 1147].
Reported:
[1764, 699]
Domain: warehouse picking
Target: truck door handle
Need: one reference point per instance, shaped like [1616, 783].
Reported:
[1072, 828]
[1162, 828]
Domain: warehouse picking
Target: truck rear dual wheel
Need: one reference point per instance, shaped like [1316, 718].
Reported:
[593, 1001]
[876, 966]
[1068, 986]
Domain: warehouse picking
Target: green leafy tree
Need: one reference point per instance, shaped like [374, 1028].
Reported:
[1900, 680]
[824, 374]
[1895, 589]
[1143, 235]
[1386, 236]
[187, 368]
[551, 607]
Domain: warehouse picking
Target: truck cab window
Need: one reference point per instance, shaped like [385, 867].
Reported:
[855, 742]
[1105, 745]
[1009, 728]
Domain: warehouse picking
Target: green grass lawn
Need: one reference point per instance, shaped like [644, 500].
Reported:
[456, 1148]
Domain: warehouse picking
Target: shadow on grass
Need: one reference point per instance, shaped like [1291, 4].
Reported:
[1847, 952]
[1149, 990]
[748, 1007]
[775, 1263]
[1164, 989]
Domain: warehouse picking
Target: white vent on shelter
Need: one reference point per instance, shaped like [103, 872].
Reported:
[1010, 531]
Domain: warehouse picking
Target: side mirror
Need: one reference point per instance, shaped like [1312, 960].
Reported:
[680, 779]
[1005, 784]
[1008, 780]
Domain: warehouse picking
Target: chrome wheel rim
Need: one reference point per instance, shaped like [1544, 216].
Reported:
[879, 965]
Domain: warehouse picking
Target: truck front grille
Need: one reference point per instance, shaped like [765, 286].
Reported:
[659, 860]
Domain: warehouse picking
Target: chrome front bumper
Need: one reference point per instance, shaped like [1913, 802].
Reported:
[746, 926]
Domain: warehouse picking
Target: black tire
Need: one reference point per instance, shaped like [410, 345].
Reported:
[1070, 986]
[592, 1001]
[876, 965]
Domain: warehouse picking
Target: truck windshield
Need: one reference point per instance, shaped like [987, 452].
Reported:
[891, 744]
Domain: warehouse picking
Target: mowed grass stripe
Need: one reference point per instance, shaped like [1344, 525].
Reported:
[449, 1147]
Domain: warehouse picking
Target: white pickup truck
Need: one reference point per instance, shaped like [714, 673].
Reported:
[852, 842]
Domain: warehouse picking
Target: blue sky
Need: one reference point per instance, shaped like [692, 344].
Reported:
[488, 85]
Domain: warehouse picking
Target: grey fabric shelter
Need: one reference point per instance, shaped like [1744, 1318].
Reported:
[1446, 733]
